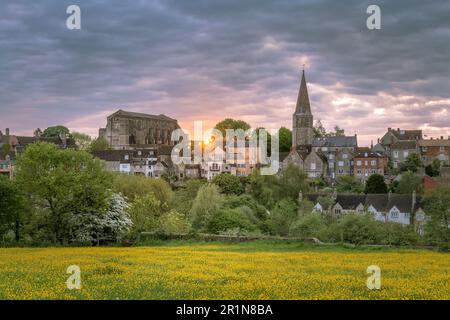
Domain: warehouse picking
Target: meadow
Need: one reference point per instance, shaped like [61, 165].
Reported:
[176, 270]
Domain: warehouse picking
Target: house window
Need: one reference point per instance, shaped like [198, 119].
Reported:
[373, 162]
[127, 157]
[406, 215]
[366, 163]
[337, 210]
[341, 171]
[341, 163]
[394, 214]
[359, 172]
[313, 166]
[405, 154]
[441, 149]
[344, 156]
[424, 149]
[373, 171]
[358, 163]
[395, 154]
[331, 156]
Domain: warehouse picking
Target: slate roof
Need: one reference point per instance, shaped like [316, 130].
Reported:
[344, 141]
[303, 106]
[112, 155]
[434, 143]
[407, 134]
[123, 113]
[378, 201]
[404, 145]
[350, 201]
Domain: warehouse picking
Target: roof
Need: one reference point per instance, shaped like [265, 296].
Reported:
[404, 145]
[434, 143]
[378, 201]
[339, 141]
[123, 113]
[367, 153]
[350, 201]
[402, 202]
[407, 134]
[112, 155]
[303, 106]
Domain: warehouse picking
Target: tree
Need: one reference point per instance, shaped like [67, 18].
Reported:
[412, 163]
[173, 222]
[310, 225]
[132, 186]
[358, 229]
[229, 123]
[207, 203]
[99, 144]
[55, 132]
[82, 140]
[111, 225]
[376, 184]
[433, 169]
[263, 188]
[184, 196]
[145, 212]
[11, 206]
[282, 217]
[228, 183]
[349, 184]
[437, 207]
[285, 139]
[410, 182]
[319, 130]
[64, 182]
[292, 180]
[338, 132]
[227, 219]
[169, 176]
[6, 148]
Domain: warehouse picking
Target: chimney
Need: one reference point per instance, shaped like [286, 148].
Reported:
[7, 132]
[389, 129]
[442, 137]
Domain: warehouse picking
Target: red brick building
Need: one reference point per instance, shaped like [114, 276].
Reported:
[367, 162]
[432, 149]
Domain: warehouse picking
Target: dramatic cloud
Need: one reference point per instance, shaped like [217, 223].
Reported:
[207, 60]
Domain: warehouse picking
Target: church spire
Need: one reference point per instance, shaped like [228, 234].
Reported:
[303, 106]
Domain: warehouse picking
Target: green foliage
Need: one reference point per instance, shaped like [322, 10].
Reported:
[207, 203]
[412, 163]
[349, 184]
[12, 204]
[6, 148]
[229, 123]
[433, 169]
[99, 144]
[326, 202]
[56, 131]
[184, 196]
[410, 182]
[376, 184]
[132, 186]
[358, 229]
[169, 176]
[282, 217]
[285, 139]
[145, 212]
[227, 219]
[173, 222]
[82, 140]
[319, 131]
[437, 207]
[292, 180]
[310, 225]
[228, 183]
[263, 188]
[66, 182]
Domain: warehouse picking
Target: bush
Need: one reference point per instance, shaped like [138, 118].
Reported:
[229, 219]
[311, 225]
[281, 217]
[173, 222]
[358, 229]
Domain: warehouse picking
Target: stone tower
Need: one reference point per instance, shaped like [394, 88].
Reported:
[302, 120]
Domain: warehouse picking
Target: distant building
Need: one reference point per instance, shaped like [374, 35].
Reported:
[435, 149]
[367, 162]
[399, 144]
[129, 130]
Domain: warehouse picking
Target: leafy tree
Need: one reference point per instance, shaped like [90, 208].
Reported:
[433, 169]
[184, 196]
[227, 219]
[56, 131]
[229, 123]
[169, 176]
[207, 203]
[292, 180]
[132, 186]
[358, 229]
[412, 163]
[11, 206]
[310, 225]
[99, 144]
[376, 184]
[228, 184]
[326, 202]
[145, 212]
[281, 218]
[64, 182]
[111, 225]
[285, 139]
[319, 130]
[82, 140]
[349, 184]
[173, 222]
[338, 132]
[6, 148]
[263, 188]
[410, 182]
[437, 207]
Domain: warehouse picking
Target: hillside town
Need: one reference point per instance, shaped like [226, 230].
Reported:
[141, 144]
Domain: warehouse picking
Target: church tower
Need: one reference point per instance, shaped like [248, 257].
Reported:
[302, 120]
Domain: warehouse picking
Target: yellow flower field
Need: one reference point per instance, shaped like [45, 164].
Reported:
[217, 271]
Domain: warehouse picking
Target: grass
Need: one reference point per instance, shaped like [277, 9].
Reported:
[195, 270]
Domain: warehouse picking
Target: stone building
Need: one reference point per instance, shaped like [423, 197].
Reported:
[129, 130]
[435, 149]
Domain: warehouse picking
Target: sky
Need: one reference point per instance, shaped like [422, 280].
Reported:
[209, 60]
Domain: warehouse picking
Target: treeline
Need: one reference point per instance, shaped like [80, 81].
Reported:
[67, 197]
